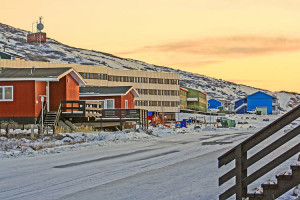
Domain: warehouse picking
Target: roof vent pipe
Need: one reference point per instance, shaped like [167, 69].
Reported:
[32, 70]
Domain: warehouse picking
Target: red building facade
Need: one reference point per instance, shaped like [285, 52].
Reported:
[36, 38]
[20, 91]
[121, 97]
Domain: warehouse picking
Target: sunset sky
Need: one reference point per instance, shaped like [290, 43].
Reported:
[252, 42]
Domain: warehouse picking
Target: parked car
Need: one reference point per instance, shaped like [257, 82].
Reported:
[251, 112]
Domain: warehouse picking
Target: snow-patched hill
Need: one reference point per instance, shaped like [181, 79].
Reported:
[13, 40]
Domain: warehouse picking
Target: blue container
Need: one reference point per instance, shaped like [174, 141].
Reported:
[183, 124]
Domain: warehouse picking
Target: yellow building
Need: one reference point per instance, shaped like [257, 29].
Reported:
[159, 91]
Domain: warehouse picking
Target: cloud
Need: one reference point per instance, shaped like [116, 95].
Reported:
[244, 81]
[192, 64]
[234, 46]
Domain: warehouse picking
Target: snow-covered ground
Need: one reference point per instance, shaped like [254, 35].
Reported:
[166, 164]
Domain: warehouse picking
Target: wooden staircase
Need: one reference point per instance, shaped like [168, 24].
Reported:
[48, 122]
[270, 189]
[50, 118]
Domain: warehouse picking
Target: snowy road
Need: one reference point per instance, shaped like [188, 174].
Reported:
[182, 166]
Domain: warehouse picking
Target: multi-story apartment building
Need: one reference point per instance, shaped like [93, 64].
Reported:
[158, 91]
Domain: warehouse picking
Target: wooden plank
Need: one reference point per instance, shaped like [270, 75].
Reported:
[93, 115]
[91, 108]
[241, 174]
[229, 175]
[93, 102]
[270, 148]
[271, 165]
[228, 193]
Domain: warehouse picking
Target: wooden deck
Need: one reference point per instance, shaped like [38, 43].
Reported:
[82, 109]
[91, 111]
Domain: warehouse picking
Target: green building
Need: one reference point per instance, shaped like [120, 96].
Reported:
[183, 98]
[193, 99]
[10, 56]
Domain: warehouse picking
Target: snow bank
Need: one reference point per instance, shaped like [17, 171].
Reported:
[12, 148]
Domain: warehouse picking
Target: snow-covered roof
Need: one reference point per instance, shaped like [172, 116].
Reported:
[107, 91]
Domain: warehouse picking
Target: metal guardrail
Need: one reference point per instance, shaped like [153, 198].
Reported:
[242, 162]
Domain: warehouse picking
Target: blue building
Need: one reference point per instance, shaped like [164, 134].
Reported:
[258, 101]
[214, 104]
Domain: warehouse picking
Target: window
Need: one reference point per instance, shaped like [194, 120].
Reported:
[126, 104]
[110, 103]
[6, 93]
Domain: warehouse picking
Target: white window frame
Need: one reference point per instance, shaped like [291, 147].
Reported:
[126, 104]
[3, 93]
[109, 100]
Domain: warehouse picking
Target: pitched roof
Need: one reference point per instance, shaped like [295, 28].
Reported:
[107, 91]
[261, 95]
[184, 89]
[202, 92]
[11, 54]
[38, 74]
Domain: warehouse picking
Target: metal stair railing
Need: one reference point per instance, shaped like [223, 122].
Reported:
[239, 154]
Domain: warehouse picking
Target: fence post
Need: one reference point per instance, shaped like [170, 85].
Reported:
[241, 173]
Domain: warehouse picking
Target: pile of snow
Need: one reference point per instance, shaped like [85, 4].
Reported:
[68, 141]
[18, 146]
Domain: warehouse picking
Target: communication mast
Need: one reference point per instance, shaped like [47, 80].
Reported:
[38, 37]
[39, 27]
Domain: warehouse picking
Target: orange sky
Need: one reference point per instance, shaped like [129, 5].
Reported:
[253, 42]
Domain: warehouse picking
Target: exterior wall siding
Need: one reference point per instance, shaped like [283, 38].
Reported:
[183, 99]
[72, 88]
[201, 103]
[66, 89]
[23, 104]
[26, 104]
[253, 103]
[117, 99]
[214, 104]
[130, 98]
[57, 92]
[40, 89]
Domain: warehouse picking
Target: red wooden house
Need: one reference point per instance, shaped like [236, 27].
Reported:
[21, 90]
[120, 97]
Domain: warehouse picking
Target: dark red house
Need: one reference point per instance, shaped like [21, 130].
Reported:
[120, 97]
[21, 90]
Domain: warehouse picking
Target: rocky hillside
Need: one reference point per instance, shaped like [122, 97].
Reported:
[13, 40]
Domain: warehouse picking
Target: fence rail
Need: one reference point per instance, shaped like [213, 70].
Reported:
[81, 108]
[242, 162]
